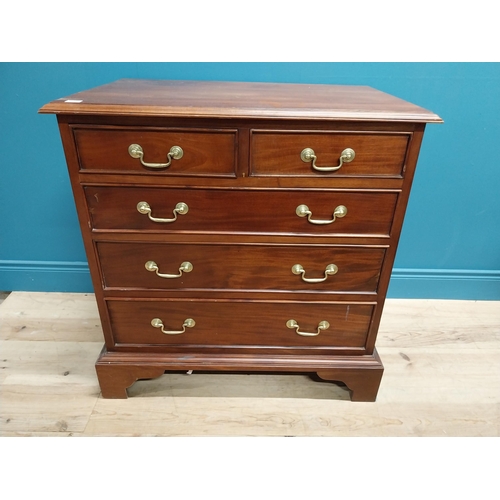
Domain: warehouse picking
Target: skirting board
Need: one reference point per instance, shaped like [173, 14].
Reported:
[44, 276]
[405, 283]
[457, 284]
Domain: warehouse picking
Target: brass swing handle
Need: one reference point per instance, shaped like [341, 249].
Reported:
[186, 267]
[158, 323]
[303, 211]
[323, 325]
[330, 270]
[308, 155]
[175, 153]
[144, 208]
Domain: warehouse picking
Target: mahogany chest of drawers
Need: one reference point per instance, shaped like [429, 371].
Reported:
[240, 226]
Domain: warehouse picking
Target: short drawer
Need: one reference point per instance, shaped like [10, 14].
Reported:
[208, 323]
[234, 267]
[375, 154]
[258, 211]
[202, 153]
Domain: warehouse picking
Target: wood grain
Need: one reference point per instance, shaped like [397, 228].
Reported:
[206, 152]
[441, 324]
[238, 333]
[69, 317]
[240, 267]
[447, 385]
[242, 211]
[249, 323]
[377, 155]
[240, 99]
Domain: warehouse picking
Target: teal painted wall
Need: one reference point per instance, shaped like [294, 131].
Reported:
[450, 244]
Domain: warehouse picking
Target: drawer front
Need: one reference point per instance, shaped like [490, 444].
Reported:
[242, 211]
[250, 267]
[375, 155]
[230, 323]
[204, 153]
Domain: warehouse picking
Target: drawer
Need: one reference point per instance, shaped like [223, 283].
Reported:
[231, 323]
[375, 154]
[204, 153]
[240, 267]
[257, 211]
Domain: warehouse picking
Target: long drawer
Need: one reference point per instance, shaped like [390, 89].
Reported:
[257, 211]
[322, 268]
[231, 323]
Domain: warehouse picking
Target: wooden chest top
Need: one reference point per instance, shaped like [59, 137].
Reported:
[177, 98]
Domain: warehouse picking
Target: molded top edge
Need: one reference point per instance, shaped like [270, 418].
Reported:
[212, 99]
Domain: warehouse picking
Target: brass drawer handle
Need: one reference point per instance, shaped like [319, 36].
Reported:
[158, 323]
[303, 211]
[186, 267]
[175, 153]
[308, 155]
[330, 270]
[323, 325]
[144, 208]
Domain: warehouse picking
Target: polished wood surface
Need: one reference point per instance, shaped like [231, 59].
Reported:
[255, 211]
[240, 99]
[249, 323]
[206, 152]
[441, 379]
[377, 155]
[240, 266]
[241, 184]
